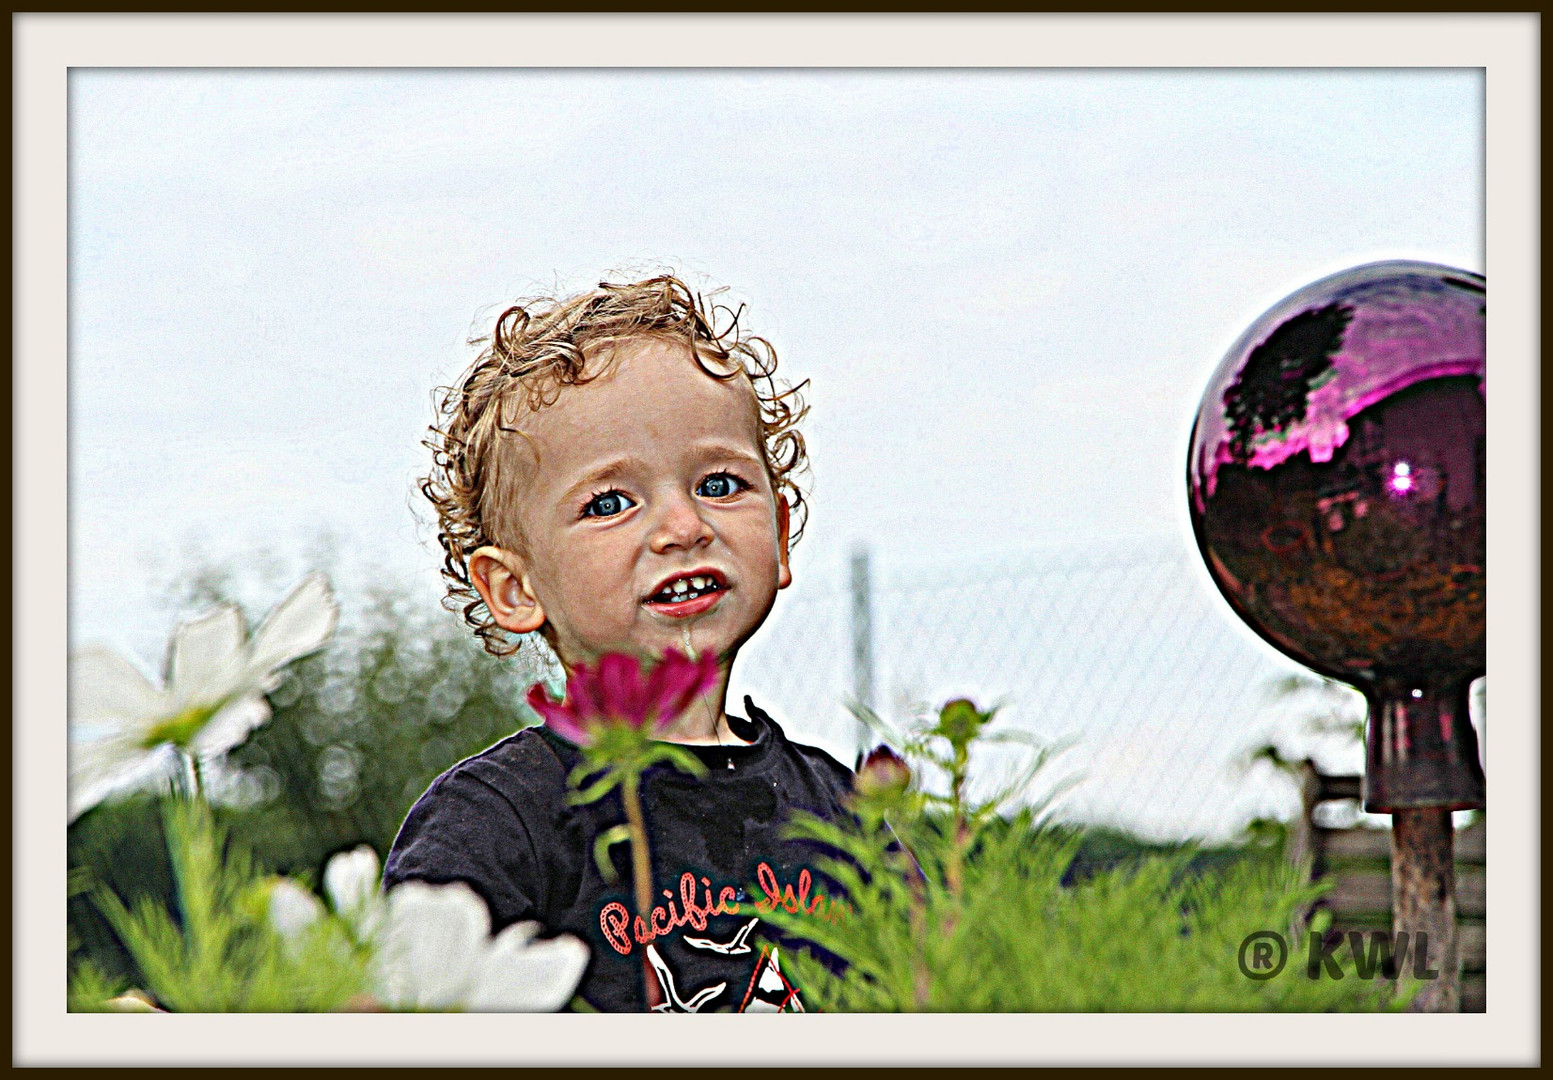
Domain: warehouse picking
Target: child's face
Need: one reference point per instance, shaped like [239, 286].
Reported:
[642, 489]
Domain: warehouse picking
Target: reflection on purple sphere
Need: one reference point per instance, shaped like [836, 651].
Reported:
[1336, 480]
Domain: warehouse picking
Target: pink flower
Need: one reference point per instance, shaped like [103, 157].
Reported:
[615, 691]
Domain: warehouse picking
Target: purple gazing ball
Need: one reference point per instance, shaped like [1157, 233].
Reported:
[1336, 485]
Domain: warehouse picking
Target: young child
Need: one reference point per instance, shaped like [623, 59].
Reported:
[615, 474]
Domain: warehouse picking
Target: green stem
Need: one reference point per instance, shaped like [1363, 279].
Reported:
[641, 874]
[954, 872]
[196, 776]
[194, 849]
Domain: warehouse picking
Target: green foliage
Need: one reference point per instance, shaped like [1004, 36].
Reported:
[618, 755]
[117, 846]
[215, 950]
[1004, 914]
[985, 913]
[1099, 849]
[91, 990]
[358, 732]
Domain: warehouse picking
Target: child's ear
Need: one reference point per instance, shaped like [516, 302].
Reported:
[784, 572]
[498, 576]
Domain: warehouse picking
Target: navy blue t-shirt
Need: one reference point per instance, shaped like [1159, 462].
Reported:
[500, 822]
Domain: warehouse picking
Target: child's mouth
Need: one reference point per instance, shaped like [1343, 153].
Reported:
[689, 594]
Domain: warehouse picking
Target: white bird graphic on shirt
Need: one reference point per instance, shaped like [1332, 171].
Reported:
[738, 946]
[671, 1002]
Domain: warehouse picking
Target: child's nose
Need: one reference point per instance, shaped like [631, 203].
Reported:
[679, 525]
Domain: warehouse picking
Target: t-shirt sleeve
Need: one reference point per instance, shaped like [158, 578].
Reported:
[463, 829]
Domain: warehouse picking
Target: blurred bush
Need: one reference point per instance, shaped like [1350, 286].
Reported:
[358, 732]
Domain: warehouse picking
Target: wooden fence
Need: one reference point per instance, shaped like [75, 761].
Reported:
[1359, 862]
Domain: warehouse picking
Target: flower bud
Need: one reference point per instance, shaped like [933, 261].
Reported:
[961, 721]
[884, 774]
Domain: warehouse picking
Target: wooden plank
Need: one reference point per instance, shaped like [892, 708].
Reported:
[1356, 893]
[1365, 843]
[1472, 939]
[1338, 787]
[1353, 893]
[1472, 844]
[1474, 993]
[1354, 843]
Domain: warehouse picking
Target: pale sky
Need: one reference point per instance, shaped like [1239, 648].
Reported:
[1007, 288]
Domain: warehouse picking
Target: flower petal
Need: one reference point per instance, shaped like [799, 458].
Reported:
[230, 726]
[676, 682]
[351, 878]
[522, 975]
[621, 693]
[293, 908]
[107, 688]
[299, 624]
[582, 694]
[558, 716]
[351, 883]
[105, 767]
[667, 685]
[432, 947]
[206, 658]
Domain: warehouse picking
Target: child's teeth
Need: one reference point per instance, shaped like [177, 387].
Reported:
[689, 588]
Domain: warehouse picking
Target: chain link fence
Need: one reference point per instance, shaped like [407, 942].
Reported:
[1121, 651]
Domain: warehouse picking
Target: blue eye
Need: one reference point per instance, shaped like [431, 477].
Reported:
[607, 504]
[720, 486]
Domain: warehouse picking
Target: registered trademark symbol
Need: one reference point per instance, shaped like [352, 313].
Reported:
[1263, 954]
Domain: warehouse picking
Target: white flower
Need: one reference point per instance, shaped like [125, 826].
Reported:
[432, 944]
[351, 883]
[121, 723]
[436, 953]
[292, 908]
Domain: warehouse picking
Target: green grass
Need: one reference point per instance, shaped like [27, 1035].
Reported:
[214, 950]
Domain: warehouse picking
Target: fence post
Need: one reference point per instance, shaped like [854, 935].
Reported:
[862, 642]
[1423, 897]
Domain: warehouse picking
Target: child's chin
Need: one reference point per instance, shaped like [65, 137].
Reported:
[704, 634]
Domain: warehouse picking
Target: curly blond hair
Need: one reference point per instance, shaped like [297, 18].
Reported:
[541, 344]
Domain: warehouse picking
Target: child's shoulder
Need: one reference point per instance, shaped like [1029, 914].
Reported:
[812, 757]
[523, 772]
[473, 810]
[526, 763]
